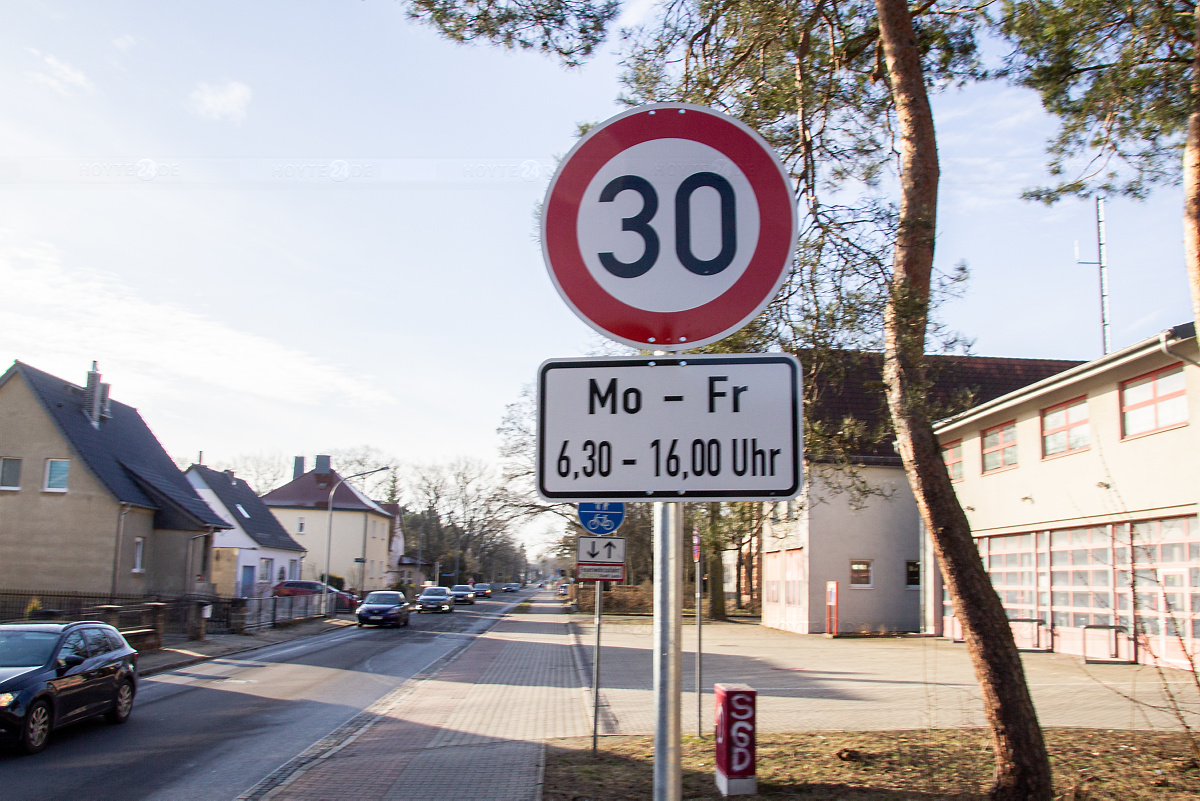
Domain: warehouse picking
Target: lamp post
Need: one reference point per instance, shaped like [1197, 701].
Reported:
[329, 534]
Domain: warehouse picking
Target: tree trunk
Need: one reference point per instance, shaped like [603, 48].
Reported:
[714, 564]
[1191, 178]
[1022, 766]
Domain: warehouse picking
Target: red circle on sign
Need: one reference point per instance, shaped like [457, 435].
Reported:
[702, 324]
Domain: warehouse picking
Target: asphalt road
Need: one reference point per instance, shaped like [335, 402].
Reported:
[213, 730]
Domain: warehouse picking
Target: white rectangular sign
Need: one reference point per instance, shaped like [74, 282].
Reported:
[600, 550]
[600, 573]
[684, 428]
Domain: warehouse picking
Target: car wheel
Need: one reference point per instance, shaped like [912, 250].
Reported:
[122, 704]
[36, 730]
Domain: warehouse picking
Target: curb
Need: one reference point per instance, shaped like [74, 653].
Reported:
[195, 660]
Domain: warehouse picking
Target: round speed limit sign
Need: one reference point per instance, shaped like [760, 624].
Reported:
[669, 226]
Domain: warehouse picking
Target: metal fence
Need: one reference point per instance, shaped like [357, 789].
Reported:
[226, 616]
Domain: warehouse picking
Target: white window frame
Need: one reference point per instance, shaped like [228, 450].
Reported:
[300, 525]
[920, 575]
[242, 509]
[870, 585]
[13, 487]
[46, 475]
[139, 555]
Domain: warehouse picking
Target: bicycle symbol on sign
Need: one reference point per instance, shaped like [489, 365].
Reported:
[600, 523]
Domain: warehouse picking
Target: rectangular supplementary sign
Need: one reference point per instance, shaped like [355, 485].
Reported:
[600, 572]
[600, 550]
[684, 428]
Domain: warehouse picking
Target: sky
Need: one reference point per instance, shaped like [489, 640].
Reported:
[292, 227]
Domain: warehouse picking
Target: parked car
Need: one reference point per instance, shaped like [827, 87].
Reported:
[55, 674]
[484, 590]
[511, 587]
[463, 594]
[345, 601]
[435, 599]
[562, 589]
[383, 608]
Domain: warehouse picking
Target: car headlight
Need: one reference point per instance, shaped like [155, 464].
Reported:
[358, 611]
[7, 700]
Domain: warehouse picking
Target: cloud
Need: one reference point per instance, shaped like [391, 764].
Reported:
[55, 316]
[226, 102]
[124, 42]
[59, 75]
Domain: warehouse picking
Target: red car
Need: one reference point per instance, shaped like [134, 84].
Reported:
[345, 601]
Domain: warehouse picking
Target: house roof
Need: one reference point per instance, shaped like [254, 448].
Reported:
[122, 453]
[257, 521]
[1078, 371]
[850, 385]
[311, 491]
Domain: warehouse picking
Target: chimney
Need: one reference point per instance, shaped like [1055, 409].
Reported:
[322, 466]
[92, 400]
[105, 403]
[298, 468]
[229, 475]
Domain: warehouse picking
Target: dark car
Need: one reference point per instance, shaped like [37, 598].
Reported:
[435, 599]
[483, 590]
[54, 674]
[463, 594]
[383, 608]
[511, 587]
[345, 601]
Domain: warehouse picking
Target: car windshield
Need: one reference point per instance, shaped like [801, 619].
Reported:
[384, 598]
[436, 592]
[483, 586]
[26, 648]
[461, 588]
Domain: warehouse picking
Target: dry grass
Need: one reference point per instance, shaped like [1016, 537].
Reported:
[930, 764]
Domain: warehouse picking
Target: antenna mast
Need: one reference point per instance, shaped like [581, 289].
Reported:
[1102, 250]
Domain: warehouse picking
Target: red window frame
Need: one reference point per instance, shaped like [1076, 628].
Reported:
[1154, 401]
[999, 448]
[1066, 427]
[951, 464]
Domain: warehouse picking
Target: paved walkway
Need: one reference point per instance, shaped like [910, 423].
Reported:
[475, 725]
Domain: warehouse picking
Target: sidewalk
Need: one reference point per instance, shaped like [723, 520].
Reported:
[474, 728]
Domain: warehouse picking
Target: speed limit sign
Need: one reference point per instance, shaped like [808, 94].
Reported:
[669, 226]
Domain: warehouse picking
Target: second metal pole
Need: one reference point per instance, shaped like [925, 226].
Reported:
[668, 654]
[598, 591]
[699, 560]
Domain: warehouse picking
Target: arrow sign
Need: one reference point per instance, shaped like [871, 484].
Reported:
[601, 551]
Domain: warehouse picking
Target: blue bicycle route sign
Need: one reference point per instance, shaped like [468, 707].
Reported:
[602, 518]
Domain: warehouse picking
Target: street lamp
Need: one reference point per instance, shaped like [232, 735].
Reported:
[329, 534]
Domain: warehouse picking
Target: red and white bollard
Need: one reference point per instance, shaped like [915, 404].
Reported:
[736, 739]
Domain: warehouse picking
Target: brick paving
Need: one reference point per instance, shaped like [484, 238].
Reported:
[475, 729]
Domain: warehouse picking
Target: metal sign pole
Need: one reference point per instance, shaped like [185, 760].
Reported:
[598, 592]
[699, 646]
[668, 655]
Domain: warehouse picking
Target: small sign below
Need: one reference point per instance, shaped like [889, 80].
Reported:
[589, 572]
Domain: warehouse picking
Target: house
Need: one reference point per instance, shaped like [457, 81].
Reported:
[1081, 493]
[358, 551]
[89, 500]
[413, 572]
[846, 555]
[255, 552]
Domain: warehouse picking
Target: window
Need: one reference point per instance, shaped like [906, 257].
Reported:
[139, 554]
[293, 569]
[1065, 428]
[265, 568]
[952, 454]
[1153, 402]
[300, 525]
[912, 574]
[56, 475]
[860, 573]
[10, 474]
[242, 509]
[1000, 447]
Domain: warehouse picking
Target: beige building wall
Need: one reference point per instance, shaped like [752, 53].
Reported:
[353, 533]
[1153, 475]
